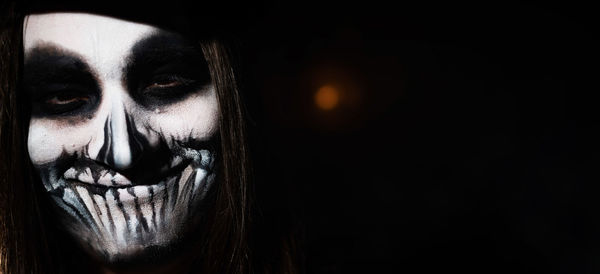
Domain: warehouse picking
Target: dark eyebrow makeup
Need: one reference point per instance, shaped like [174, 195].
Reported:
[53, 74]
[165, 68]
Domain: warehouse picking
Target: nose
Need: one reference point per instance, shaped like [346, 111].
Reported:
[123, 144]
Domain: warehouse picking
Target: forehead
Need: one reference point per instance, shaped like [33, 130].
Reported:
[98, 39]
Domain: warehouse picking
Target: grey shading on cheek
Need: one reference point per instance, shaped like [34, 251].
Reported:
[153, 205]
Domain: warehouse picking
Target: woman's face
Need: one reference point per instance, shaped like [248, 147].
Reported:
[122, 129]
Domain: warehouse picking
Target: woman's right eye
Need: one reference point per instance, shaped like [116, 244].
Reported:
[63, 102]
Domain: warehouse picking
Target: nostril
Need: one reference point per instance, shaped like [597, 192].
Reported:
[149, 164]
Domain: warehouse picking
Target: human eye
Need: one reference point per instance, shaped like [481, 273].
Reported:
[63, 100]
[164, 69]
[59, 83]
[169, 86]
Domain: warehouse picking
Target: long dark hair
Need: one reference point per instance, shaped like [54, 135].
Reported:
[28, 237]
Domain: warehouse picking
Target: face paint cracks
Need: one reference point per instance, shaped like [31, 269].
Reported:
[122, 129]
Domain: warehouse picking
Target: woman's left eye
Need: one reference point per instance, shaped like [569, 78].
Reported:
[168, 86]
[165, 83]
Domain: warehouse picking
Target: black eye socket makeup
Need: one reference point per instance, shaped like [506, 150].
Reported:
[164, 68]
[59, 83]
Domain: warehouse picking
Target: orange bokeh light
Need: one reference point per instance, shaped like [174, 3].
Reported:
[327, 97]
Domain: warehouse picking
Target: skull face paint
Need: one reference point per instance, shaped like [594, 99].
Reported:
[122, 132]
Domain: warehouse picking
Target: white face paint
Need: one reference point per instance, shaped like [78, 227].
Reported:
[122, 131]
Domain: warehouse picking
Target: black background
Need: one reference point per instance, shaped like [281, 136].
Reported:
[464, 138]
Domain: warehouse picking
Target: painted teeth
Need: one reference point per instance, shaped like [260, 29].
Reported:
[114, 180]
[176, 161]
[122, 221]
[106, 179]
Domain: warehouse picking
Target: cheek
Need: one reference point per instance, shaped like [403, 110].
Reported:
[196, 117]
[49, 139]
